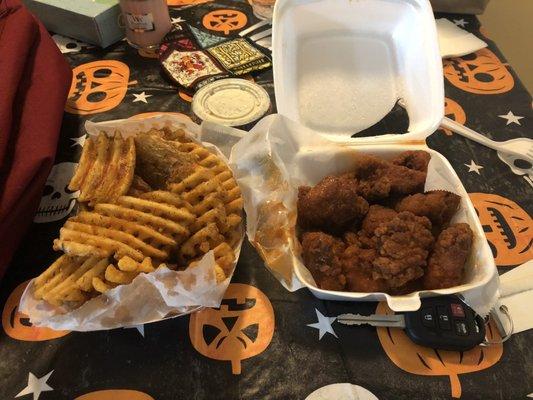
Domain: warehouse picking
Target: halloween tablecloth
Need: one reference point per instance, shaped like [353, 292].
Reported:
[267, 343]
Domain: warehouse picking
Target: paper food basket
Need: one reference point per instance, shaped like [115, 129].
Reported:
[339, 67]
[150, 297]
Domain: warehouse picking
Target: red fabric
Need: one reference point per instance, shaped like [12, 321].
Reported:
[34, 82]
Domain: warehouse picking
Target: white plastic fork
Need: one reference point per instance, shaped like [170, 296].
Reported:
[520, 148]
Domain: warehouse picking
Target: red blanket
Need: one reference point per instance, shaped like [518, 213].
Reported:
[34, 82]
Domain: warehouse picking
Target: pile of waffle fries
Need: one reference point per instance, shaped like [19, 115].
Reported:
[155, 200]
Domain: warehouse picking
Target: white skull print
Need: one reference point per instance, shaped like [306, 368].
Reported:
[57, 201]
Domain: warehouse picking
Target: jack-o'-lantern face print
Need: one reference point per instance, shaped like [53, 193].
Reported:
[508, 228]
[225, 20]
[241, 328]
[455, 112]
[97, 86]
[480, 73]
[18, 326]
[420, 360]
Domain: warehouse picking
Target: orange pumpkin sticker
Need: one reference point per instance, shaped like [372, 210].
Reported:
[480, 73]
[420, 360]
[241, 328]
[508, 228]
[225, 20]
[97, 86]
[18, 325]
[115, 394]
[455, 112]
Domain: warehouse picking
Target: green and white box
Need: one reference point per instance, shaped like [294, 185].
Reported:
[91, 21]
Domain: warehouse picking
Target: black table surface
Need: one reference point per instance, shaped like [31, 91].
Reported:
[308, 349]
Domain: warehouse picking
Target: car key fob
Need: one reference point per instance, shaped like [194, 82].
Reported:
[446, 323]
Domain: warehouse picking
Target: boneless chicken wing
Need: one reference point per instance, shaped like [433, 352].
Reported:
[378, 179]
[447, 260]
[357, 267]
[321, 254]
[403, 246]
[333, 204]
[376, 216]
[439, 206]
[413, 159]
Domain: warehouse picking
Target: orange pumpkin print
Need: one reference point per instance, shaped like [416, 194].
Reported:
[480, 73]
[420, 360]
[455, 112]
[18, 325]
[225, 20]
[97, 86]
[508, 228]
[241, 328]
[115, 394]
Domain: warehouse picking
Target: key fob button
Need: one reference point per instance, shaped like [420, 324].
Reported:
[444, 319]
[457, 310]
[428, 317]
[461, 328]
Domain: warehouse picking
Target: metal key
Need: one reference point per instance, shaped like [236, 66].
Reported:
[391, 321]
[442, 322]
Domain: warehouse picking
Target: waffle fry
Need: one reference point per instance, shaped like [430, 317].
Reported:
[124, 227]
[233, 200]
[105, 170]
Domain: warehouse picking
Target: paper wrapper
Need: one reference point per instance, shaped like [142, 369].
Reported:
[278, 156]
[149, 297]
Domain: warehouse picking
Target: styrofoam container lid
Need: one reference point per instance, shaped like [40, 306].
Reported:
[341, 65]
[231, 102]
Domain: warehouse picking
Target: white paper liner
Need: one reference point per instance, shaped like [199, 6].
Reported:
[149, 297]
[279, 155]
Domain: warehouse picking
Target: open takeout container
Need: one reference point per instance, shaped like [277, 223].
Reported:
[339, 67]
[150, 297]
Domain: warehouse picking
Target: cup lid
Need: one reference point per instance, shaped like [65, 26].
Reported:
[340, 66]
[231, 102]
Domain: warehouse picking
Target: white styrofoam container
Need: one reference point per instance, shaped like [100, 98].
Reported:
[339, 67]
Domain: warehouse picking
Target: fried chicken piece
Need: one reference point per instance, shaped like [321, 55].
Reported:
[413, 159]
[160, 161]
[403, 246]
[447, 261]
[357, 267]
[378, 179]
[332, 205]
[138, 186]
[321, 254]
[376, 216]
[439, 206]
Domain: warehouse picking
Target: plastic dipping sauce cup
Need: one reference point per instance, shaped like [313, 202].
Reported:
[146, 21]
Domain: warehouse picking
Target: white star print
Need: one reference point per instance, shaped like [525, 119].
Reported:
[36, 386]
[460, 22]
[473, 167]
[140, 328]
[511, 118]
[177, 20]
[141, 97]
[79, 141]
[323, 325]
